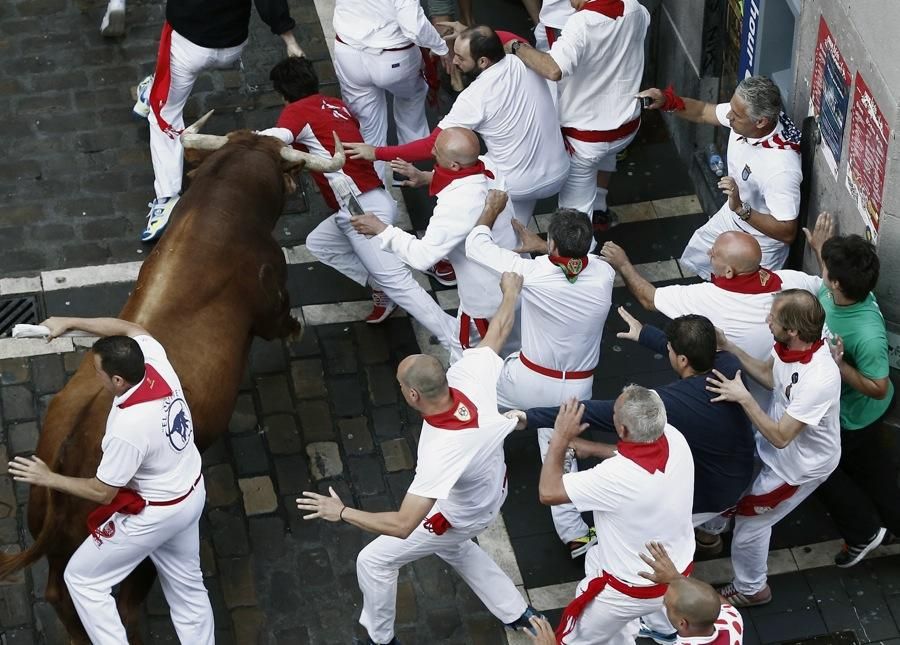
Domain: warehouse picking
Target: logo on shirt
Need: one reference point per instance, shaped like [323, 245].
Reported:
[787, 391]
[178, 424]
[462, 413]
[745, 173]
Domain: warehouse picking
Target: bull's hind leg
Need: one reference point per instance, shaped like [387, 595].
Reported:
[273, 315]
[58, 596]
[132, 593]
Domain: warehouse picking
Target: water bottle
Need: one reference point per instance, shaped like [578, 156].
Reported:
[714, 161]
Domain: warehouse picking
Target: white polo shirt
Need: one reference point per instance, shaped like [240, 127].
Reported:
[149, 447]
[460, 461]
[602, 63]
[562, 321]
[729, 630]
[458, 208]
[810, 393]
[385, 24]
[632, 507]
[510, 107]
[555, 13]
[767, 177]
[741, 316]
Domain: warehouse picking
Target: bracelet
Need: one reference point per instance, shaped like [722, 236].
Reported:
[341, 514]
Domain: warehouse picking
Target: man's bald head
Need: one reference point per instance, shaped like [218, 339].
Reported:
[692, 606]
[456, 145]
[424, 374]
[736, 250]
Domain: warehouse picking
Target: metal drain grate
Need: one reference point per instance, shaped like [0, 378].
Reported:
[18, 309]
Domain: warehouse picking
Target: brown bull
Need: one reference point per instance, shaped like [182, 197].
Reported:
[215, 279]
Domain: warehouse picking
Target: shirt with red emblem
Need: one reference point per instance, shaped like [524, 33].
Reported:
[460, 461]
[149, 441]
[624, 496]
[729, 628]
[308, 125]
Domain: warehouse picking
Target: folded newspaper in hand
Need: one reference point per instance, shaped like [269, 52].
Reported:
[39, 331]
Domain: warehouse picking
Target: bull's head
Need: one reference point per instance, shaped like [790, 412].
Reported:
[293, 160]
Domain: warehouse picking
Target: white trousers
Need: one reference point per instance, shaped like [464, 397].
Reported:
[523, 201]
[520, 388]
[187, 61]
[566, 518]
[750, 544]
[336, 243]
[587, 159]
[378, 565]
[612, 618]
[170, 536]
[365, 77]
[696, 254]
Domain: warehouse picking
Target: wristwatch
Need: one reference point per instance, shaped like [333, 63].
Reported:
[514, 48]
[744, 211]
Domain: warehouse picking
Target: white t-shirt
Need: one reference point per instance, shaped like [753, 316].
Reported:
[149, 447]
[463, 468]
[555, 13]
[511, 108]
[741, 316]
[632, 507]
[562, 321]
[811, 394]
[767, 178]
[602, 63]
[458, 208]
[385, 24]
[729, 630]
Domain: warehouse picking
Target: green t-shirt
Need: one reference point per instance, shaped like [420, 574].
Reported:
[861, 325]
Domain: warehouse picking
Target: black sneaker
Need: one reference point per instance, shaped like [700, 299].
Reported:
[524, 621]
[852, 554]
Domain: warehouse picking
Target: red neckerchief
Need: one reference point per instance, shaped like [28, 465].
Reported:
[761, 281]
[570, 266]
[651, 456]
[797, 355]
[461, 415]
[610, 8]
[443, 176]
[153, 387]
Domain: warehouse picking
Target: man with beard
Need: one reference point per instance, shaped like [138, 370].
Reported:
[511, 108]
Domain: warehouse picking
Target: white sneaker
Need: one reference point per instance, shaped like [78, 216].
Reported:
[141, 107]
[113, 24]
[158, 217]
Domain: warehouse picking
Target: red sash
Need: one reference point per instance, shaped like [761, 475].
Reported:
[595, 587]
[465, 328]
[750, 505]
[162, 80]
[603, 136]
[546, 371]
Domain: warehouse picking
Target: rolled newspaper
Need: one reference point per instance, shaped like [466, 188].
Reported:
[40, 331]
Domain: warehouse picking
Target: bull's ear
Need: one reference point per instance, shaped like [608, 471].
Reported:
[195, 156]
[291, 170]
[290, 184]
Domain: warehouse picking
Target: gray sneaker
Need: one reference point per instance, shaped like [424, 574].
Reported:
[113, 24]
[141, 107]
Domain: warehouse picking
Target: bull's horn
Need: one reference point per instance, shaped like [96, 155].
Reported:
[194, 128]
[315, 163]
[202, 141]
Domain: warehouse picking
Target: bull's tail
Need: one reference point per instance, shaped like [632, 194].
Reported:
[10, 563]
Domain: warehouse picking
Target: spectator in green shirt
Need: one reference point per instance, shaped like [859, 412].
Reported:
[862, 494]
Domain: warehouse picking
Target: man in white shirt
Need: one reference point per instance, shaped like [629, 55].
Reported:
[377, 52]
[461, 182]
[653, 463]
[763, 182]
[737, 300]
[798, 439]
[458, 489]
[598, 61]
[148, 483]
[510, 107]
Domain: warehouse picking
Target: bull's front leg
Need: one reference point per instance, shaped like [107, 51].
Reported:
[273, 315]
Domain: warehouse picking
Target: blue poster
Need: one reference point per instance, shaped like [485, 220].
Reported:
[749, 33]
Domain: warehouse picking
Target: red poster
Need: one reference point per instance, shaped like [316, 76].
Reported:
[869, 133]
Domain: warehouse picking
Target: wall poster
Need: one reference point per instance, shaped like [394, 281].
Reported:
[867, 158]
[830, 95]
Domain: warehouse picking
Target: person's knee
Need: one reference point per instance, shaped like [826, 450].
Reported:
[72, 576]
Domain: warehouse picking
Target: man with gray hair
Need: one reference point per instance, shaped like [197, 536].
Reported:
[652, 462]
[763, 182]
